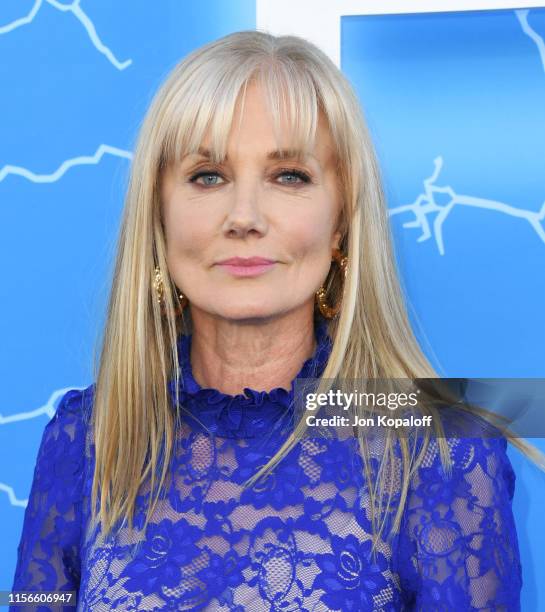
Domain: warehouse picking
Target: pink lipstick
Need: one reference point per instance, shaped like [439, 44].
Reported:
[247, 266]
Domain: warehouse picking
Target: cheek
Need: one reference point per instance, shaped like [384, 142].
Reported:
[187, 232]
[309, 231]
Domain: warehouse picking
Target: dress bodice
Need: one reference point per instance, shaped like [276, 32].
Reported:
[298, 539]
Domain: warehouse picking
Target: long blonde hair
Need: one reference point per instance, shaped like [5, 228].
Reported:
[134, 423]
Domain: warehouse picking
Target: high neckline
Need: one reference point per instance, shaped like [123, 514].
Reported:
[250, 414]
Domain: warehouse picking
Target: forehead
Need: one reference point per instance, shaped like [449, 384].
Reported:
[273, 136]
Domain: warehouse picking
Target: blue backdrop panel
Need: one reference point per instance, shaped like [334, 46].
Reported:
[456, 106]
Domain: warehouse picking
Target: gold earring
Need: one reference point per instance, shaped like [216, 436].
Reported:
[329, 312]
[159, 288]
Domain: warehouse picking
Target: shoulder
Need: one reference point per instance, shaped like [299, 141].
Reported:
[76, 402]
[64, 436]
[75, 406]
[479, 463]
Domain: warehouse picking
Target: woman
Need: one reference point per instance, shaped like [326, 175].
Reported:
[255, 253]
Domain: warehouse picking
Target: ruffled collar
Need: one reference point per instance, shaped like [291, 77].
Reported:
[249, 414]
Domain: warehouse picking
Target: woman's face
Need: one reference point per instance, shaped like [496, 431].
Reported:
[253, 205]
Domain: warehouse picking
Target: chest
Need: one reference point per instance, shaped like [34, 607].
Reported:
[298, 539]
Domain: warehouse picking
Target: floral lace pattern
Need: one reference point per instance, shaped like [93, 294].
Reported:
[298, 540]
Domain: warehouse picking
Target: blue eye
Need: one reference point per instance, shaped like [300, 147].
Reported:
[302, 176]
[206, 174]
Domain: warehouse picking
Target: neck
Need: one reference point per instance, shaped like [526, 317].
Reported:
[229, 355]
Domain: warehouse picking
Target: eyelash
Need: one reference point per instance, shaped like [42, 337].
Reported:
[299, 173]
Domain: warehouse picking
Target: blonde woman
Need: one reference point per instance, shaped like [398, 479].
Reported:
[254, 253]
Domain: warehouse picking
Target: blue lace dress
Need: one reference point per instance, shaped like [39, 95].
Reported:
[298, 540]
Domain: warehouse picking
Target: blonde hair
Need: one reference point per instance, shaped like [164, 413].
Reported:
[134, 423]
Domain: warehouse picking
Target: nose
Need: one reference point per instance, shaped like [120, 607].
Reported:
[244, 214]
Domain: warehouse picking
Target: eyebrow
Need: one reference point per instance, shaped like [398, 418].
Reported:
[271, 155]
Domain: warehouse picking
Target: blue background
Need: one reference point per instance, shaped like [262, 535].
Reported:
[466, 87]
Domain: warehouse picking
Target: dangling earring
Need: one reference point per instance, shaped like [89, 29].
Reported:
[329, 312]
[160, 292]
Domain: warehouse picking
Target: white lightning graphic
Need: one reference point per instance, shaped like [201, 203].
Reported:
[425, 203]
[522, 16]
[49, 410]
[77, 11]
[75, 161]
[12, 497]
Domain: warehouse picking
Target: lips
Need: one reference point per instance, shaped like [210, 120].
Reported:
[246, 267]
[247, 261]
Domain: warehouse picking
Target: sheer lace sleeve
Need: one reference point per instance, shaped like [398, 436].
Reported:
[48, 552]
[458, 541]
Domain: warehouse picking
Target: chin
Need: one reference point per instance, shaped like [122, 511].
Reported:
[240, 311]
[248, 314]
